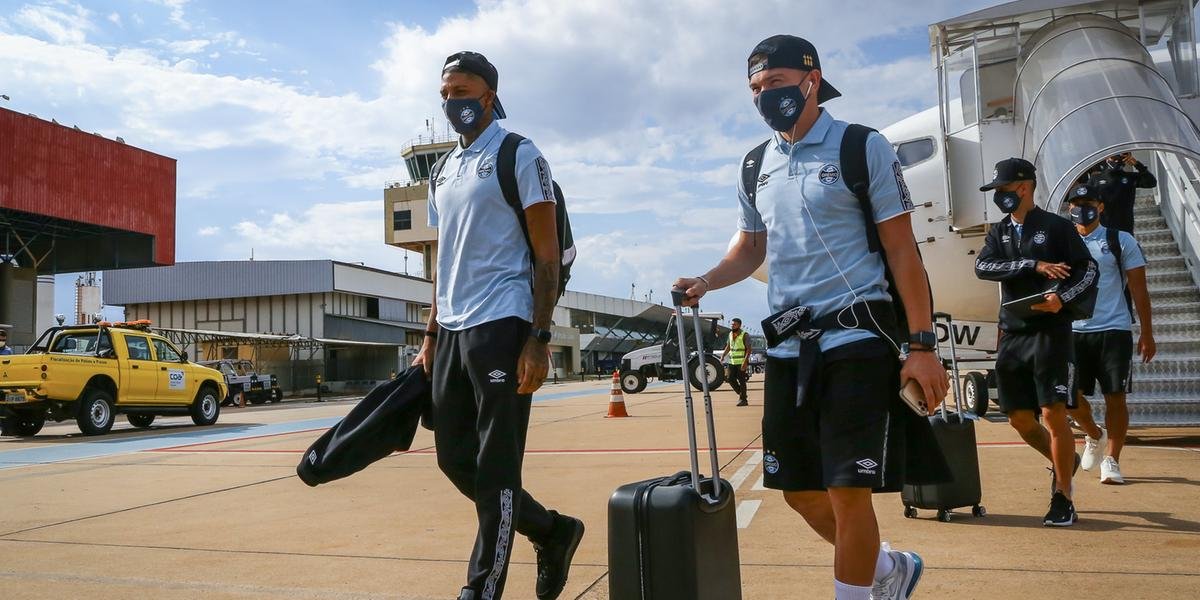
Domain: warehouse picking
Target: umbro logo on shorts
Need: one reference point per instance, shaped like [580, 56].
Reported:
[867, 466]
[497, 376]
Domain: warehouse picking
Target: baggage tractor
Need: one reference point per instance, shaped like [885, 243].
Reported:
[675, 537]
[955, 433]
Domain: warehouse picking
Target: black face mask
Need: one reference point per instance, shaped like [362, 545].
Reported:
[1084, 215]
[781, 107]
[1007, 202]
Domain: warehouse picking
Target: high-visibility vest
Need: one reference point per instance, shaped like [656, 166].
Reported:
[737, 348]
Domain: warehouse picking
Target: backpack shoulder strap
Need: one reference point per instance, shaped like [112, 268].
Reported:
[506, 166]
[506, 169]
[857, 176]
[751, 167]
[1114, 246]
[436, 170]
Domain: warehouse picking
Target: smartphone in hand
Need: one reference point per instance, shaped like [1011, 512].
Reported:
[914, 397]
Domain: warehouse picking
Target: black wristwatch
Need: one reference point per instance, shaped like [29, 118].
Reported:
[927, 339]
[541, 335]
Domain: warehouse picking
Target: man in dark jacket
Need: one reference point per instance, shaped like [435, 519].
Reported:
[1118, 189]
[1032, 252]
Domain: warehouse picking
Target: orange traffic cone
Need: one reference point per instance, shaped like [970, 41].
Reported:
[616, 399]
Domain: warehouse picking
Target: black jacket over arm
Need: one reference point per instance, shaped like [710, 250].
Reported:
[1045, 237]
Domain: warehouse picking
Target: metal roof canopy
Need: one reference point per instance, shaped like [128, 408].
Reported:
[187, 337]
[1028, 16]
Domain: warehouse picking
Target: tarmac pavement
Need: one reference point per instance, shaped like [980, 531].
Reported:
[185, 512]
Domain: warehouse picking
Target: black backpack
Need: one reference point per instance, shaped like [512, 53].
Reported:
[506, 167]
[856, 175]
[1114, 245]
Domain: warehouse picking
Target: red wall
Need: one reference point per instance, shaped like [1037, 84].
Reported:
[54, 170]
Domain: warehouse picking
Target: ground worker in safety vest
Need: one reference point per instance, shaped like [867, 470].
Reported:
[737, 349]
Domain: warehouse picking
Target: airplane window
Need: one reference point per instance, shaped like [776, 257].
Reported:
[911, 153]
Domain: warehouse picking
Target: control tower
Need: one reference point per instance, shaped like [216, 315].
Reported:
[405, 203]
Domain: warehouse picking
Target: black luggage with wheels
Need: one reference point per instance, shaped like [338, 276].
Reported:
[673, 538]
[955, 434]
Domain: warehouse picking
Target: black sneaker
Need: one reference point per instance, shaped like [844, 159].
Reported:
[743, 402]
[1054, 479]
[1062, 512]
[467, 594]
[554, 556]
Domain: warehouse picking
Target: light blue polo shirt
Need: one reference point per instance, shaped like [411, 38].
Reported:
[483, 265]
[1111, 312]
[810, 216]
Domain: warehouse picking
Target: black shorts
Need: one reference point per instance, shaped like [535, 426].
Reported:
[847, 434]
[1034, 369]
[1106, 356]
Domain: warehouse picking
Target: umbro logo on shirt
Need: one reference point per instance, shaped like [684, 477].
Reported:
[762, 180]
[497, 376]
[867, 466]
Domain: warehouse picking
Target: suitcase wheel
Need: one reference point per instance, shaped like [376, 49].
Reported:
[979, 511]
[943, 516]
[910, 512]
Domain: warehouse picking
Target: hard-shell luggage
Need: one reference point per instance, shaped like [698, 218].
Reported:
[955, 433]
[675, 537]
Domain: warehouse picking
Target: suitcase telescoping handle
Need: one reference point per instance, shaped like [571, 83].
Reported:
[677, 297]
[941, 316]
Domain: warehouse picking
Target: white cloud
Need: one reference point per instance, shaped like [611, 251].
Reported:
[208, 231]
[188, 46]
[349, 231]
[63, 22]
[115, 18]
[176, 14]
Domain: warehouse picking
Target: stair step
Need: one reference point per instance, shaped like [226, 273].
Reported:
[1167, 366]
[1146, 209]
[1165, 263]
[1151, 236]
[1173, 313]
[1162, 296]
[1176, 278]
[1151, 222]
[1172, 329]
[1155, 411]
[1159, 249]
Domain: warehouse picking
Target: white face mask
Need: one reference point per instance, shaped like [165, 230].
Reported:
[3, 343]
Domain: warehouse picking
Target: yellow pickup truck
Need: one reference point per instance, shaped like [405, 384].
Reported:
[92, 372]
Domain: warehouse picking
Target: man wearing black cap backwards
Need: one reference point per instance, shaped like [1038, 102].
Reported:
[829, 447]
[486, 339]
[1034, 253]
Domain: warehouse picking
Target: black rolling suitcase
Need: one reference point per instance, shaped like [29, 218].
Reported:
[955, 433]
[671, 538]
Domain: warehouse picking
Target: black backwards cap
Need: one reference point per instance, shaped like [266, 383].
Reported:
[1010, 170]
[789, 52]
[476, 63]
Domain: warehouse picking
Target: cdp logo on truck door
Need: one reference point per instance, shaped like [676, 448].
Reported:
[175, 379]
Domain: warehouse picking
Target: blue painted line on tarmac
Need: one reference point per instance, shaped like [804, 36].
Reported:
[69, 451]
[119, 444]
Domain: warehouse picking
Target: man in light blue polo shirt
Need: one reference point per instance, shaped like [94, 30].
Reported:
[1104, 343]
[846, 438]
[485, 344]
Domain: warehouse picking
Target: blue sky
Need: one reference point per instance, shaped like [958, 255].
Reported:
[287, 118]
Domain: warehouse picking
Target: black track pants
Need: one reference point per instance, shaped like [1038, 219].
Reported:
[479, 428]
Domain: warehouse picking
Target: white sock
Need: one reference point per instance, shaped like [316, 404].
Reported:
[884, 564]
[845, 591]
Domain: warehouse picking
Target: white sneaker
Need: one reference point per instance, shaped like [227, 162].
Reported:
[1110, 472]
[1093, 450]
[900, 583]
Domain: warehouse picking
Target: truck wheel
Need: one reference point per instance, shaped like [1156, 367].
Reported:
[633, 382]
[712, 370]
[26, 423]
[95, 416]
[139, 420]
[975, 393]
[206, 407]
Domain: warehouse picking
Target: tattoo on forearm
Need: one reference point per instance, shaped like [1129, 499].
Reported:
[545, 292]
